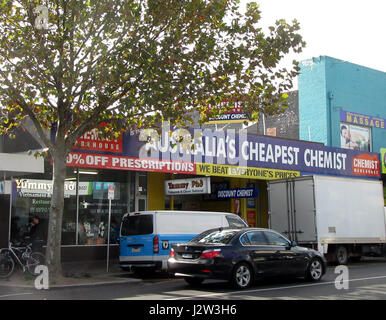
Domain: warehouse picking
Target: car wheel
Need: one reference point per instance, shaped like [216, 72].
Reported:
[341, 255]
[242, 276]
[194, 281]
[315, 270]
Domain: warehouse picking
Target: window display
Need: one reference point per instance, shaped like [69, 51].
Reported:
[86, 209]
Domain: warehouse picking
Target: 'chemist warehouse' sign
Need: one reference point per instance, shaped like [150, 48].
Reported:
[228, 153]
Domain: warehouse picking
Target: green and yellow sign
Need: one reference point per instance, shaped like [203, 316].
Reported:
[383, 160]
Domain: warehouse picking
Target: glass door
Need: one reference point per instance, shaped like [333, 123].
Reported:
[140, 191]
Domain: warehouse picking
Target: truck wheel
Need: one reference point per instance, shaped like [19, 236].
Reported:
[341, 255]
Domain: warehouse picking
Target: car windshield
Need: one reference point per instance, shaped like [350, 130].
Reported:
[217, 236]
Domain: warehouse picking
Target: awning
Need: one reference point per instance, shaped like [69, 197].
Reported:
[11, 162]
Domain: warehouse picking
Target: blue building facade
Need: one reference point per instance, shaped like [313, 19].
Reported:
[342, 104]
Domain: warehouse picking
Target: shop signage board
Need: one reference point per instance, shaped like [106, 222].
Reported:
[235, 114]
[230, 154]
[188, 186]
[362, 120]
[34, 188]
[90, 141]
[237, 193]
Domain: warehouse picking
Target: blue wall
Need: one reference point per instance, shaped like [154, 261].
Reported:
[327, 86]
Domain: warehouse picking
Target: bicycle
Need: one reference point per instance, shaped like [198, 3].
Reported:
[24, 256]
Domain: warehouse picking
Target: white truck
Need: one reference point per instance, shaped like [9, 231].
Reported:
[340, 217]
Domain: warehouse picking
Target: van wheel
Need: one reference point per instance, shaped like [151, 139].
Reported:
[242, 276]
[341, 255]
[194, 281]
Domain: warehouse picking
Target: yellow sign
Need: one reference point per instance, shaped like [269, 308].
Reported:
[222, 170]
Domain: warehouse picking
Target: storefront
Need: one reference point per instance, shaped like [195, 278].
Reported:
[234, 164]
[209, 170]
[86, 208]
[244, 197]
[12, 165]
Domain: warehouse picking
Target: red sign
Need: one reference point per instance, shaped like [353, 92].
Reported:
[237, 107]
[366, 165]
[90, 141]
[251, 218]
[104, 161]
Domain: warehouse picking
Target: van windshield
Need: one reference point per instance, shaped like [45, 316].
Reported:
[215, 237]
[137, 225]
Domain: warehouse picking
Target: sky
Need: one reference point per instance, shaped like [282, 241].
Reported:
[350, 30]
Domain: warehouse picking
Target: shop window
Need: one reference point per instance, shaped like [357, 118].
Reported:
[94, 207]
[32, 197]
[86, 211]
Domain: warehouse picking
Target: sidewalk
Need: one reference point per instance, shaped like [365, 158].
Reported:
[76, 274]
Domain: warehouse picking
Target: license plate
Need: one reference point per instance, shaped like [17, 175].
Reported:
[187, 256]
[135, 250]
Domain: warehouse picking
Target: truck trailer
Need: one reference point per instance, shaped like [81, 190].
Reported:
[343, 218]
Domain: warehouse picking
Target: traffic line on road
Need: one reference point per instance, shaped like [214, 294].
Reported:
[272, 289]
[15, 294]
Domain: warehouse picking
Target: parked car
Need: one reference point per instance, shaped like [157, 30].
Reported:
[243, 255]
[147, 236]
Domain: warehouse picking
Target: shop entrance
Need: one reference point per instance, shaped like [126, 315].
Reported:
[244, 197]
[4, 220]
[140, 202]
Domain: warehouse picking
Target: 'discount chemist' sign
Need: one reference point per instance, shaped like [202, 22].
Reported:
[237, 193]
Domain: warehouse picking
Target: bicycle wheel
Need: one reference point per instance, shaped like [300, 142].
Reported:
[35, 259]
[6, 265]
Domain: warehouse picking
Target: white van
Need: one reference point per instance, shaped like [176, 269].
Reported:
[146, 237]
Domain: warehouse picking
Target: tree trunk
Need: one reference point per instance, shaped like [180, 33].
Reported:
[53, 253]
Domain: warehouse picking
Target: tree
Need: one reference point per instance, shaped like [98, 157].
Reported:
[75, 64]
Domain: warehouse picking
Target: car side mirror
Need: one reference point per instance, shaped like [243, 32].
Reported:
[293, 244]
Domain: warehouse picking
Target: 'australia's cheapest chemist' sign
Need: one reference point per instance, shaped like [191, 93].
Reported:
[229, 153]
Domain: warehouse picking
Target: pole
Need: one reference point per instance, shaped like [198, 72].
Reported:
[108, 237]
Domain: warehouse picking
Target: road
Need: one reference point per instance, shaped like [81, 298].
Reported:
[366, 281]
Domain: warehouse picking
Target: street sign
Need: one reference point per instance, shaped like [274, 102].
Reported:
[111, 191]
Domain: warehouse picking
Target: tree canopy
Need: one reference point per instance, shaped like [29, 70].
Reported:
[90, 62]
[77, 64]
